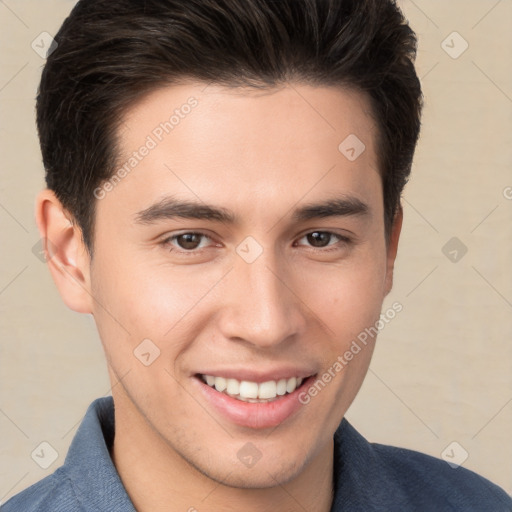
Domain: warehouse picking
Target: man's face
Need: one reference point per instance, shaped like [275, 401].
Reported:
[272, 290]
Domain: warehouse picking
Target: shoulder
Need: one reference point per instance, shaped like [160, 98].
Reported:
[88, 479]
[54, 492]
[377, 477]
[436, 482]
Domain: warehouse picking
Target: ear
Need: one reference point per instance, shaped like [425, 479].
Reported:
[392, 247]
[65, 252]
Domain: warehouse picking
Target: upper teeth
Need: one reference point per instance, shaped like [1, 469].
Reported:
[247, 390]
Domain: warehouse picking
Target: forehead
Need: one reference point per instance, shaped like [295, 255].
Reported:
[241, 145]
[285, 113]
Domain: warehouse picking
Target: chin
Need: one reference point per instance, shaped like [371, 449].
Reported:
[263, 475]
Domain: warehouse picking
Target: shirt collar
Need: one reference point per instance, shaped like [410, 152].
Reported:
[89, 465]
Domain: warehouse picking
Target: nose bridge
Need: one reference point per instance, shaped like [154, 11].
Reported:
[261, 308]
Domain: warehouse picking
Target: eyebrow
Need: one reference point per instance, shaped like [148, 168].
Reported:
[172, 208]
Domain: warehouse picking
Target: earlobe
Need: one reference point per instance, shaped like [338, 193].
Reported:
[393, 247]
[65, 252]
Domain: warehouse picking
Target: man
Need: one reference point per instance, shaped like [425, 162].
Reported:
[224, 183]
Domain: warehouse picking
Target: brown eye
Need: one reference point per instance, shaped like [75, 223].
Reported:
[324, 240]
[319, 238]
[187, 242]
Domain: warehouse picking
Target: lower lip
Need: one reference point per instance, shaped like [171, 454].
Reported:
[254, 415]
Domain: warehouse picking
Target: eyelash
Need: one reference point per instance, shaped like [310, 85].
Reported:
[344, 240]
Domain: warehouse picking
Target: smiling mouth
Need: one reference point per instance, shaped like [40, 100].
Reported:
[253, 392]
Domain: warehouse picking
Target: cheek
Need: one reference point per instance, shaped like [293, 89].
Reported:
[137, 293]
[137, 300]
[129, 305]
[347, 297]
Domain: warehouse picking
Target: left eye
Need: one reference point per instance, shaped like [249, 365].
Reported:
[320, 239]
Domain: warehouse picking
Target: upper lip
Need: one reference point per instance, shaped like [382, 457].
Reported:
[259, 376]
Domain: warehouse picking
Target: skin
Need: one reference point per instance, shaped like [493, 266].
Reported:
[260, 155]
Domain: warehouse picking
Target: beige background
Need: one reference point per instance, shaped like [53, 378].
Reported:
[442, 371]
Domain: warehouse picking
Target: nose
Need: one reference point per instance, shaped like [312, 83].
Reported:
[261, 306]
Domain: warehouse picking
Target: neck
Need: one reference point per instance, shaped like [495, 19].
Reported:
[158, 479]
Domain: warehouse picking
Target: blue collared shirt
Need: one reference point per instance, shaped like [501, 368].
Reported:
[367, 477]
